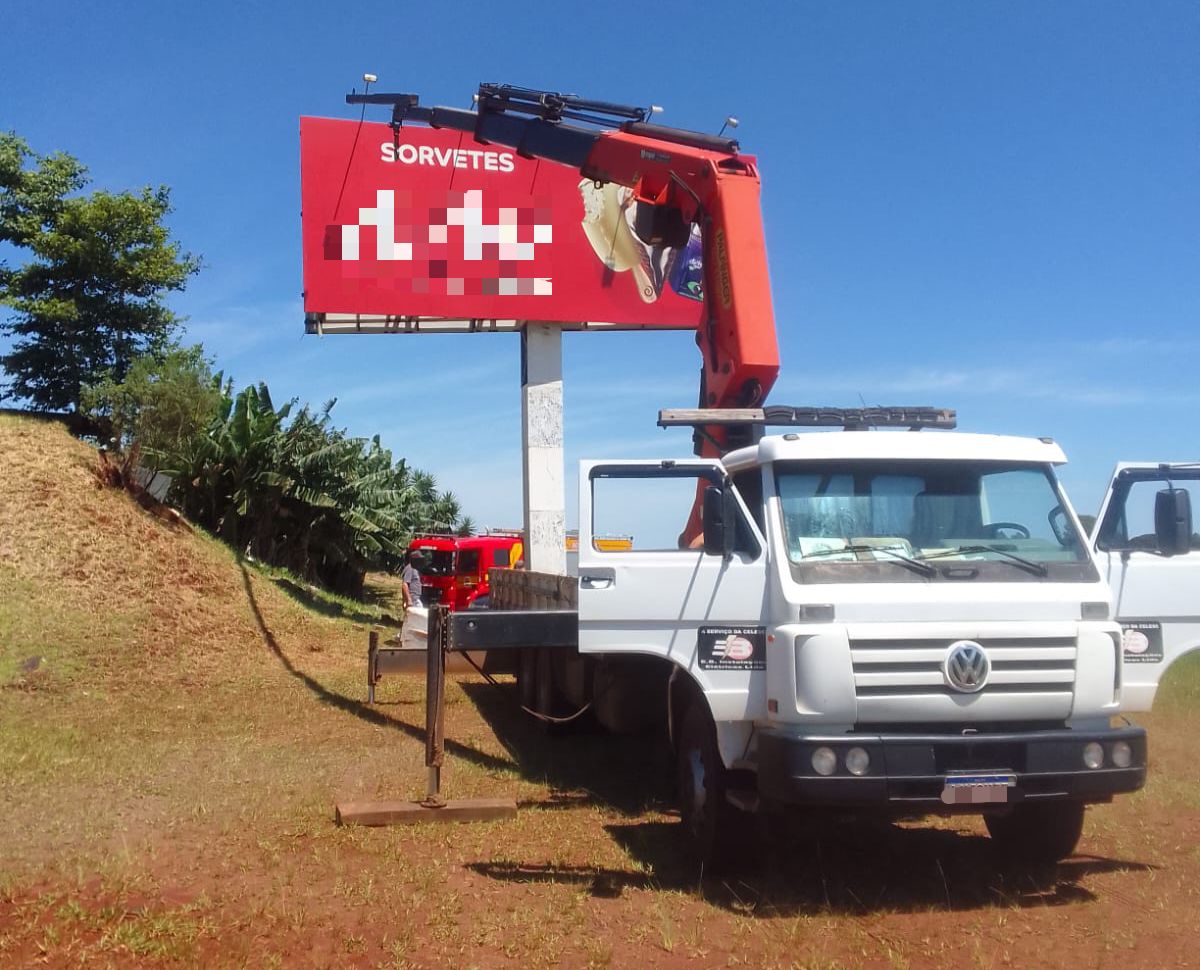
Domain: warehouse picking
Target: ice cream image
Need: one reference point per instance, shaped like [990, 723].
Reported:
[608, 212]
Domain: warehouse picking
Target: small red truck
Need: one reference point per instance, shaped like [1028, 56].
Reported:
[454, 570]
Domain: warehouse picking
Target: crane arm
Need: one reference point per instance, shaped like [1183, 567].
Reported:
[679, 178]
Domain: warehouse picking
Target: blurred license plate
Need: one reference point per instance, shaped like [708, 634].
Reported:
[978, 788]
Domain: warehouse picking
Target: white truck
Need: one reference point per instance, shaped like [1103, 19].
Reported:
[910, 622]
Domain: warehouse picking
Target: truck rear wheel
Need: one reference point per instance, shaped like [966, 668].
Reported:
[703, 811]
[1039, 833]
[527, 677]
[545, 693]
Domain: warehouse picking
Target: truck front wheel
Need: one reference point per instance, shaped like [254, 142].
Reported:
[1039, 833]
[703, 810]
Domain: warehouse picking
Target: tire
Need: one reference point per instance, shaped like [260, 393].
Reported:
[1042, 833]
[706, 818]
[546, 698]
[527, 678]
[545, 695]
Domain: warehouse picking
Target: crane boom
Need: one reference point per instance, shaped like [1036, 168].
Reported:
[679, 179]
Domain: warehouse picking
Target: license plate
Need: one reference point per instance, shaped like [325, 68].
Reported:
[978, 788]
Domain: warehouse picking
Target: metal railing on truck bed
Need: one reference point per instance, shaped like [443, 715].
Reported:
[519, 589]
[527, 609]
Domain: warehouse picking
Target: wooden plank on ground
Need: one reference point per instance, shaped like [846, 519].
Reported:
[412, 813]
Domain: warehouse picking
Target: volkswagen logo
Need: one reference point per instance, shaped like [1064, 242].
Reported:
[967, 666]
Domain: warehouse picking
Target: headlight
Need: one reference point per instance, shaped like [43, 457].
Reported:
[857, 761]
[1122, 754]
[1093, 754]
[824, 761]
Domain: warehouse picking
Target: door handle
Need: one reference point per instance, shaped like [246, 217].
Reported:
[598, 578]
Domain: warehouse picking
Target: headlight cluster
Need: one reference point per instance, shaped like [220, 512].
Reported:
[856, 761]
[1120, 754]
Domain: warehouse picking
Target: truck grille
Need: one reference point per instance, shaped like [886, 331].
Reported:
[913, 668]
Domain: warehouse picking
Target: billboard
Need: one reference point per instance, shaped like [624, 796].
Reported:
[437, 226]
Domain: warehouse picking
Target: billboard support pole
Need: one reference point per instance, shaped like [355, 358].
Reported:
[542, 448]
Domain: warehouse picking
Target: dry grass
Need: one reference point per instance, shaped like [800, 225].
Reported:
[169, 766]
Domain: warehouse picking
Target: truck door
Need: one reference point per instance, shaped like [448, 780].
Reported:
[1156, 596]
[661, 598]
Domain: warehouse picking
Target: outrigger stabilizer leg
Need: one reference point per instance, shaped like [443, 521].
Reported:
[433, 807]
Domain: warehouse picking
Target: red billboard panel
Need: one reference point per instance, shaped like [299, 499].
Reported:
[438, 225]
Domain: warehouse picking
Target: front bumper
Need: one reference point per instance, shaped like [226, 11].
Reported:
[909, 770]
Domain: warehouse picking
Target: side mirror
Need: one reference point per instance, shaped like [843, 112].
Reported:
[717, 536]
[1173, 521]
[1060, 525]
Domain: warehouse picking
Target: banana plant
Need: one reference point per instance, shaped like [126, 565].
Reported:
[298, 492]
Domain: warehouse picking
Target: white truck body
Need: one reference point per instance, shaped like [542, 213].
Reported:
[821, 636]
[654, 602]
[912, 622]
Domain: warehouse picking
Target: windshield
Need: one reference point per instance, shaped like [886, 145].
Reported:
[436, 562]
[942, 513]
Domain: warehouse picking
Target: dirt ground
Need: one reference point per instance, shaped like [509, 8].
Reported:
[176, 728]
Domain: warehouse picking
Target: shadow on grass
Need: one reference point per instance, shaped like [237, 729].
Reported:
[327, 607]
[821, 862]
[800, 863]
[353, 706]
[829, 866]
[629, 774]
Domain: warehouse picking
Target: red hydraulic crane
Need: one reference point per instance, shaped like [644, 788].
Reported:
[679, 179]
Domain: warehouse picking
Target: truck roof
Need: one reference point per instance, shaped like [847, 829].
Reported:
[1165, 467]
[895, 445]
[463, 542]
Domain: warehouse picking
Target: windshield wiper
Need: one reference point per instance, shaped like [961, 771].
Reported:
[1037, 568]
[897, 557]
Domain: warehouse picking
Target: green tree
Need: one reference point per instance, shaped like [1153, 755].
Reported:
[295, 491]
[31, 195]
[90, 299]
[162, 404]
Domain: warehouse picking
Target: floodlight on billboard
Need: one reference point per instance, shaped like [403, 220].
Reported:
[431, 231]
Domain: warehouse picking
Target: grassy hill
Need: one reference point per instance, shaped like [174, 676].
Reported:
[176, 727]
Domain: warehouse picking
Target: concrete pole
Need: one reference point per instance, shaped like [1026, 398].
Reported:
[542, 448]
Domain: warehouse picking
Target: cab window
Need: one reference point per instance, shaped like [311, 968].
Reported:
[1129, 521]
[468, 562]
[652, 504]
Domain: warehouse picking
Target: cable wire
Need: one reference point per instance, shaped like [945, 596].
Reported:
[538, 714]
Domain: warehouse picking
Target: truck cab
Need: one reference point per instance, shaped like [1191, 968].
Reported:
[914, 622]
[1150, 556]
[454, 569]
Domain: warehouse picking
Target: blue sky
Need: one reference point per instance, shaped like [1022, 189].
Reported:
[991, 206]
